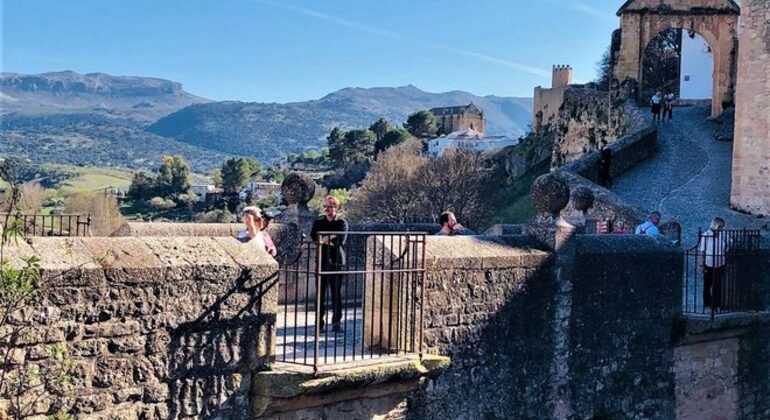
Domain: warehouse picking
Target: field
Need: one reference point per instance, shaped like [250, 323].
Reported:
[89, 179]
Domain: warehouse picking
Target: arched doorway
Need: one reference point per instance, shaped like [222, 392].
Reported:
[714, 20]
[680, 62]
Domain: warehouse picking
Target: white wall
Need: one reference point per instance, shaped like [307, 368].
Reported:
[698, 64]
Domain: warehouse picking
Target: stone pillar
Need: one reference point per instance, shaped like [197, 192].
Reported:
[297, 190]
[550, 196]
[751, 151]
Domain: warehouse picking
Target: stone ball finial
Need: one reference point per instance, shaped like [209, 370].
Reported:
[549, 194]
[582, 198]
[298, 189]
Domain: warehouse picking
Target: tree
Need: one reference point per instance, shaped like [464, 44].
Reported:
[455, 181]
[359, 146]
[28, 199]
[604, 71]
[402, 185]
[103, 209]
[235, 174]
[253, 167]
[388, 193]
[380, 128]
[216, 177]
[336, 143]
[142, 187]
[661, 64]
[392, 138]
[422, 124]
[173, 177]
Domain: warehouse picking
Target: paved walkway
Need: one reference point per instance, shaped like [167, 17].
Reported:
[689, 180]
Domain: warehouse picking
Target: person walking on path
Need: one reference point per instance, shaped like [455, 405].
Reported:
[649, 227]
[712, 248]
[605, 165]
[330, 234]
[655, 105]
[668, 106]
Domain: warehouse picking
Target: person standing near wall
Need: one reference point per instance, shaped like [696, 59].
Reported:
[650, 227]
[254, 229]
[712, 248]
[668, 106]
[330, 234]
[605, 165]
[451, 227]
[655, 105]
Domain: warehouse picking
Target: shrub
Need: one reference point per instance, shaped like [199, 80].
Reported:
[103, 209]
[160, 203]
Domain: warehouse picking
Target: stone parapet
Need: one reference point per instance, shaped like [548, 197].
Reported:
[154, 327]
[375, 389]
[286, 236]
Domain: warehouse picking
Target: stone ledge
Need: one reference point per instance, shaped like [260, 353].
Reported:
[483, 252]
[292, 387]
[702, 328]
[97, 261]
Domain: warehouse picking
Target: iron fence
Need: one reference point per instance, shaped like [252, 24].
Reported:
[50, 224]
[722, 273]
[363, 305]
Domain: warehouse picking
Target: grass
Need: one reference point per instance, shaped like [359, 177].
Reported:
[90, 179]
[516, 205]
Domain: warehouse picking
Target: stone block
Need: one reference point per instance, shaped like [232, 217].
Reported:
[113, 372]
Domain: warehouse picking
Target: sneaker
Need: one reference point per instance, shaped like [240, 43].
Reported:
[337, 328]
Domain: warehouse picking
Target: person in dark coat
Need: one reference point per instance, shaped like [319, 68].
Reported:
[605, 165]
[331, 245]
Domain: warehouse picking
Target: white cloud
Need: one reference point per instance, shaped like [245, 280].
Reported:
[336, 20]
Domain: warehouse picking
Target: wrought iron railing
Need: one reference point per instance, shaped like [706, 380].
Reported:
[723, 273]
[369, 304]
[49, 224]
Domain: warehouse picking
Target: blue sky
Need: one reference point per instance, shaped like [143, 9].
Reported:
[293, 50]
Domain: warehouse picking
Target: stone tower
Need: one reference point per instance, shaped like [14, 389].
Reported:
[751, 151]
[562, 76]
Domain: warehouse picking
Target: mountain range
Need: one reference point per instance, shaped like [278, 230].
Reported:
[101, 119]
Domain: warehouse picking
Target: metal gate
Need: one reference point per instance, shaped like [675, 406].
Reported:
[369, 305]
[722, 273]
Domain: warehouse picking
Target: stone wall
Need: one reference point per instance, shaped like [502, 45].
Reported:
[588, 116]
[488, 304]
[751, 155]
[155, 327]
[623, 312]
[546, 104]
[526, 342]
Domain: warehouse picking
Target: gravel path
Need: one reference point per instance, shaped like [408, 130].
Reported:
[689, 180]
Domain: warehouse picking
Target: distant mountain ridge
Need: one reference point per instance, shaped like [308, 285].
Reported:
[136, 118]
[269, 130]
[142, 100]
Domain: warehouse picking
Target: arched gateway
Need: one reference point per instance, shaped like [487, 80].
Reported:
[715, 20]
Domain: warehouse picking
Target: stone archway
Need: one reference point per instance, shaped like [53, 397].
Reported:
[715, 20]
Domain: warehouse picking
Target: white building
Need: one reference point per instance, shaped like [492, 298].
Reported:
[259, 189]
[468, 139]
[206, 192]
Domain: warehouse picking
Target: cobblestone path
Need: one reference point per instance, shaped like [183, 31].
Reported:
[689, 180]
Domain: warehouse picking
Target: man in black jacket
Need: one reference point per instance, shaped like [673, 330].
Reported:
[605, 165]
[332, 249]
